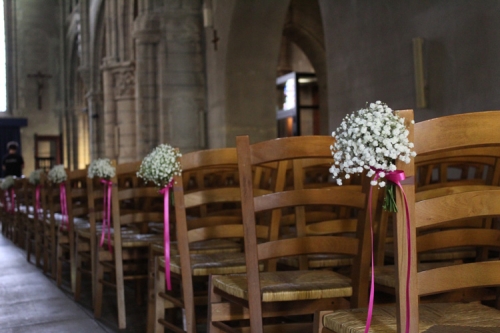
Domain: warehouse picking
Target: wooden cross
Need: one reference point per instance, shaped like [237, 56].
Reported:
[39, 77]
[215, 40]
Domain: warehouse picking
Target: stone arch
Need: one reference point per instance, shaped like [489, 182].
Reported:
[304, 28]
[253, 44]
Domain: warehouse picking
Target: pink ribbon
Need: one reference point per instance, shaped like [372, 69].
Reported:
[166, 233]
[106, 213]
[12, 201]
[64, 206]
[394, 177]
[37, 199]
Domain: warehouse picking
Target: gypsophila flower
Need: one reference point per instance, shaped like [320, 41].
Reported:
[7, 183]
[161, 165]
[34, 177]
[370, 139]
[101, 168]
[57, 174]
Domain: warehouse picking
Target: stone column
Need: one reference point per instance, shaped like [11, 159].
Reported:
[147, 36]
[109, 108]
[182, 85]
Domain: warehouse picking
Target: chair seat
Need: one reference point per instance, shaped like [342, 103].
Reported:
[320, 260]
[213, 263]
[139, 240]
[385, 275]
[204, 247]
[85, 232]
[456, 316]
[289, 285]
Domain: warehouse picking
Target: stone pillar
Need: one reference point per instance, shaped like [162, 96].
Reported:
[109, 108]
[119, 111]
[147, 36]
[182, 86]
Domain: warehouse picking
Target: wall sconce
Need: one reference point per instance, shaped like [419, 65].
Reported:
[419, 69]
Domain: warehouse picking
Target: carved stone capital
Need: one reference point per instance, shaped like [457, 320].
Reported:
[124, 81]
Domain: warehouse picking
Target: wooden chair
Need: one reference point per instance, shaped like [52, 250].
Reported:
[281, 294]
[52, 220]
[33, 213]
[18, 218]
[485, 154]
[77, 209]
[466, 130]
[134, 205]
[208, 243]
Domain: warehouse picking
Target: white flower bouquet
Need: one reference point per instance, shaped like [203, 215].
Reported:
[101, 168]
[371, 139]
[34, 177]
[57, 174]
[161, 165]
[7, 183]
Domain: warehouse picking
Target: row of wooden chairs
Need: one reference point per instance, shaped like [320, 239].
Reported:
[235, 298]
[264, 240]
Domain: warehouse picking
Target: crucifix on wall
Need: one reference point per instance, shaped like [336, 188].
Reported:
[39, 77]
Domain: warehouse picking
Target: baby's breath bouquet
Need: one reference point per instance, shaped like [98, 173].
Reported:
[34, 177]
[7, 183]
[161, 165]
[371, 139]
[101, 168]
[57, 174]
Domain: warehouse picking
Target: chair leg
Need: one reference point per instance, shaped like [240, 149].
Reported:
[59, 263]
[151, 292]
[78, 273]
[159, 301]
[213, 298]
[120, 291]
[98, 290]
[72, 262]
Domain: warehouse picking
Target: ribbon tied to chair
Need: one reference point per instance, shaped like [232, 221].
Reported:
[12, 208]
[395, 177]
[37, 200]
[64, 206]
[106, 213]
[166, 232]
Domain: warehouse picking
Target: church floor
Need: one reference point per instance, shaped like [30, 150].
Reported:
[31, 301]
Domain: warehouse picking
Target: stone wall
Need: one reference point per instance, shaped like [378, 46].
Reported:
[33, 37]
[370, 57]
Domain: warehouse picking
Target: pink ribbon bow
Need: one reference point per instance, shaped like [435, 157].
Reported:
[166, 233]
[106, 213]
[64, 206]
[395, 177]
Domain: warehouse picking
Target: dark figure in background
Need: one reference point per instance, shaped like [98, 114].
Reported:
[12, 163]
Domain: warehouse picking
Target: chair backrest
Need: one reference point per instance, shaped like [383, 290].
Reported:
[135, 203]
[283, 151]
[464, 131]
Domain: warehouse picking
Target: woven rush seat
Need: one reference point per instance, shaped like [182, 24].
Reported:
[213, 263]
[320, 260]
[453, 315]
[138, 240]
[289, 285]
[385, 275]
[203, 247]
